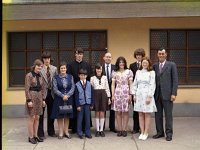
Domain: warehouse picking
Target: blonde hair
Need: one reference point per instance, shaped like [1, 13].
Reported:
[149, 61]
[37, 62]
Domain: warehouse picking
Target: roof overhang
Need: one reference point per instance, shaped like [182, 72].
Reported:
[78, 10]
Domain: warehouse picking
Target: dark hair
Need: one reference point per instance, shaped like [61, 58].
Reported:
[63, 63]
[97, 66]
[139, 51]
[162, 48]
[121, 58]
[150, 64]
[78, 50]
[37, 62]
[46, 54]
[83, 71]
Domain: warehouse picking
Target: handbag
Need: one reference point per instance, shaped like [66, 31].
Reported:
[65, 109]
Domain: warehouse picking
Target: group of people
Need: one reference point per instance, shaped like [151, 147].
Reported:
[111, 87]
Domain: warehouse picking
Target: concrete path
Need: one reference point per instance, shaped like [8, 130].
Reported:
[186, 137]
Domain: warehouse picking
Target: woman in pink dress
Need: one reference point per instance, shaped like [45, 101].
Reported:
[121, 97]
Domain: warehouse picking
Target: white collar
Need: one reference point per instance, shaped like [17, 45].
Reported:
[82, 81]
[107, 65]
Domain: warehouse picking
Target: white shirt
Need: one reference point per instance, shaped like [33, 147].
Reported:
[104, 84]
[84, 81]
[109, 69]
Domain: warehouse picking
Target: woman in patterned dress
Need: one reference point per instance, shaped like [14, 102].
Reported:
[63, 87]
[34, 91]
[102, 98]
[121, 97]
[143, 92]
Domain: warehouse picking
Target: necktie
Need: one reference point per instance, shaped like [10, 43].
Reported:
[48, 78]
[107, 74]
[84, 84]
[160, 67]
[138, 65]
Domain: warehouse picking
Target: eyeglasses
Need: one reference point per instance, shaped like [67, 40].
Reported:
[121, 62]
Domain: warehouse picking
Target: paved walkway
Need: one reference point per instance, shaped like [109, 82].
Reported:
[186, 137]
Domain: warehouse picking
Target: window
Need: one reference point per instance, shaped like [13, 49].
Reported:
[183, 48]
[25, 47]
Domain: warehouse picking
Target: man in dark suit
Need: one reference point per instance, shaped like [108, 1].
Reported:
[107, 70]
[73, 69]
[165, 94]
[138, 54]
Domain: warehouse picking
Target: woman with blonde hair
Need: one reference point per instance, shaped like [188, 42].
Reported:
[143, 90]
[34, 91]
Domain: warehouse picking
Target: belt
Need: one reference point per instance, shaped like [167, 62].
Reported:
[35, 89]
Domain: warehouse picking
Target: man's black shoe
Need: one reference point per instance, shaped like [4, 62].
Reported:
[53, 135]
[135, 131]
[80, 136]
[73, 131]
[158, 136]
[42, 137]
[88, 136]
[38, 139]
[113, 130]
[168, 138]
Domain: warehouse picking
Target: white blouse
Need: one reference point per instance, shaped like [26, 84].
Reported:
[103, 84]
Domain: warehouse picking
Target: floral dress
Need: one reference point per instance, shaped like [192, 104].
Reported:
[144, 86]
[122, 90]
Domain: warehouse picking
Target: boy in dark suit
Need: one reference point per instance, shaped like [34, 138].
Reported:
[138, 55]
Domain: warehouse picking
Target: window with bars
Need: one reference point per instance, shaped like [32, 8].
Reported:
[25, 47]
[183, 47]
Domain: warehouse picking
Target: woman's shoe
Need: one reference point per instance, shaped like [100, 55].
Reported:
[38, 139]
[119, 133]
[60, 137]
[145, 136]
[32, 140]
[140, 137]
[124, 133]
[68, 136]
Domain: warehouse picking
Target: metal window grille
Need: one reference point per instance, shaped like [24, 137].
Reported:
[183, 47]
[25, 47]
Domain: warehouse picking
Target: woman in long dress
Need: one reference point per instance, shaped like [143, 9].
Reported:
[143, 90]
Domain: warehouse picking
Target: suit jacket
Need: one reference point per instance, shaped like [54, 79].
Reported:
[53, 72]
[133, 67]
[167, 80]
[104, 73]
[74, 67]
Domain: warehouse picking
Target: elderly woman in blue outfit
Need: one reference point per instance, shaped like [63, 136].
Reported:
[63, 87]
